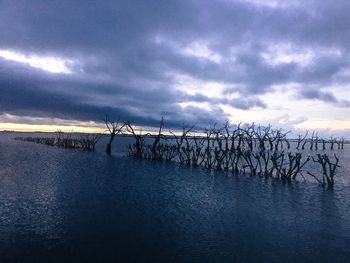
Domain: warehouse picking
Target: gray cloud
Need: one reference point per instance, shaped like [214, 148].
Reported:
[325, 96]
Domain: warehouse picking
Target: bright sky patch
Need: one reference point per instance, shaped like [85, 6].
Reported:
[50, 64]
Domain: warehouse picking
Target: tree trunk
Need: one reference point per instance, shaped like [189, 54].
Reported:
[109, 146]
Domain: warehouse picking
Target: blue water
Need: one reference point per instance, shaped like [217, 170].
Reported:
[60, 205]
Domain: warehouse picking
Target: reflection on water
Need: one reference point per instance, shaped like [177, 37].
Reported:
[61, 205]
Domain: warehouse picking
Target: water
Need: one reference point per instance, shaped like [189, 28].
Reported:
[71, 206]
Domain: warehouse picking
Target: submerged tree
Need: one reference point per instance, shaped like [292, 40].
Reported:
[138, 147]
[114, 128]
[301, 138]
[260, 150]
[89, 141]
[156, 142]
[329, 170]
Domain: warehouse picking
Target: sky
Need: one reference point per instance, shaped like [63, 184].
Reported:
[66, 64]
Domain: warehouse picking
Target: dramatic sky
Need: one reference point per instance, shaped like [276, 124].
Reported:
[69, 63]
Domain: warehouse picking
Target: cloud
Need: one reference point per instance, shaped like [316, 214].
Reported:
[319, 95]
[324, 96]
[244, 103]
[125, 58]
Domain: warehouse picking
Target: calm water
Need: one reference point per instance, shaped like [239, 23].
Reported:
[70, 206]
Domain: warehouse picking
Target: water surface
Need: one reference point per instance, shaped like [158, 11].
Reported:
[67, 205]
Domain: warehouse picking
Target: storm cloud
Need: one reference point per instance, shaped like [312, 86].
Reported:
[188, 61]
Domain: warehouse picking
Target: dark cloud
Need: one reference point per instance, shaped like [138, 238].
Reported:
[128, 55]
[325, 96]
[319, 95]
[248, 103]
[44, 96]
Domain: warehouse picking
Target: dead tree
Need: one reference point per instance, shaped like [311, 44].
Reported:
[249, 161]
[155, 145]
[301, 139]
[312, 141]
[339, 144]
[328, 168]
[271, 139]
[262, 135]
[249, 131]
[114, 128]
[279, 138]
[288, 169]
[197, 150]
[332, 141]
[88, 141]
[188, 147]
[316, 141]
[138, 147]
[180, 140]
[265, 168]
[226, 138]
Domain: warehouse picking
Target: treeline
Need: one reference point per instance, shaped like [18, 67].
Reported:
[238, 149]
[257, 150]
[315, 142]
[67, 140]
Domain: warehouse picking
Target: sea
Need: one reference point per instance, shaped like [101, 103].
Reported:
[60, 205]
